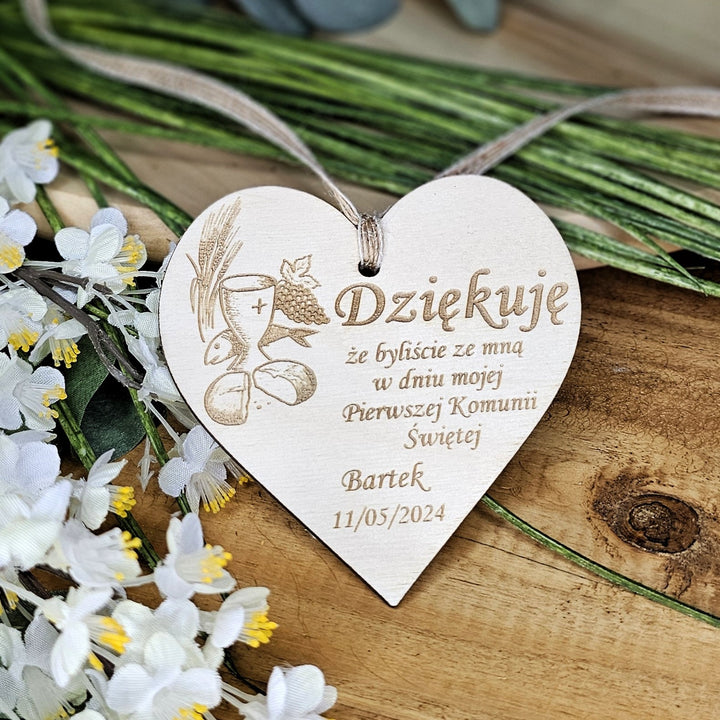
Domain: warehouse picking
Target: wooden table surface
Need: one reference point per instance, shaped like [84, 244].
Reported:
[625, 463]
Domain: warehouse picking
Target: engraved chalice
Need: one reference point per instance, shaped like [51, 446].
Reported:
[247, 303]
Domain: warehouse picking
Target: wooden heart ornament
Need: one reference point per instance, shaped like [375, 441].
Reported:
[378, 410]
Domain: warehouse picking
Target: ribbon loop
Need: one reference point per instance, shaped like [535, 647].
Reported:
[370, 244]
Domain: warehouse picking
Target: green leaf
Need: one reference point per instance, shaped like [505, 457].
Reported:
[102, 407]
[110, 420]
[84, 378]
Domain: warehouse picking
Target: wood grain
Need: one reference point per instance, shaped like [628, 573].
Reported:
[497, 627]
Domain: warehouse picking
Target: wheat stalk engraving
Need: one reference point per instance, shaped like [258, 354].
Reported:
[219, 244]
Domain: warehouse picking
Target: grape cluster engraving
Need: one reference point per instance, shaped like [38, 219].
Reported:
[294, 295]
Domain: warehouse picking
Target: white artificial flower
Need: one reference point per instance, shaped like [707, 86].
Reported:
[298, 693]
[146, 321]
[199, 470]
[29, 463]
[94, 497]
[40, 697]
[180, 618]
[105, 560]
[243, 616]
[146, 460]
[27, 156]
[158, 382]
[17, 229]
[81, 626]
[89, 715]
[25, 682]
[159, 688]
[12, 661]
[96, 704]
[21, 310]
[12, 647]
[105, 255]
[191, 566]
[28, 530]
[58, 338]
[9, 576]
[26, 394]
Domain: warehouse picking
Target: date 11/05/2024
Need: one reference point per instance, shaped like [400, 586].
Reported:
[387, 517]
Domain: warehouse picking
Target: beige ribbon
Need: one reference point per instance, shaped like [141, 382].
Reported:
[198, 88]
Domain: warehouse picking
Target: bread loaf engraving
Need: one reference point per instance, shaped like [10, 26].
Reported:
[285, 380]
[228, 397]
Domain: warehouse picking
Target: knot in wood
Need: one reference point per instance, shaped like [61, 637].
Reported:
[658, 523]
[370, 244]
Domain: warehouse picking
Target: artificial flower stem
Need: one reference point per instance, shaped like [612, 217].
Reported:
[49, 210]
[174, 217]
[669, 238]
[596, 568]
[79, 443]
[151, 428]
[501, 113]
[146, 419]
[94, 189]
[148, 423]
[411, 182]
[183, 503]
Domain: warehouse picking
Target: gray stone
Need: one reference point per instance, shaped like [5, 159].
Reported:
[346, 15]
[482, 15]
[278, 15]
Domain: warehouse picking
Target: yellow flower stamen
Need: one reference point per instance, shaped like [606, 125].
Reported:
[219, 499]
[64, 351]
[57, 392]
[113, 635]
[258, 630]
[11, 598]
[130, 545]
[11, 254]
[131, 256]
[23, 338]
[213, 562]
[95, 663]
[50, 396]
[60, 713]
[122, 499]
[48, 146]
[193, 713]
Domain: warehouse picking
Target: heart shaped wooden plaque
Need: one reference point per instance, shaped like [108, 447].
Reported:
[378, 410]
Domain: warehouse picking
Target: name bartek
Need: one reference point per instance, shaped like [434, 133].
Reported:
[357, 480]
